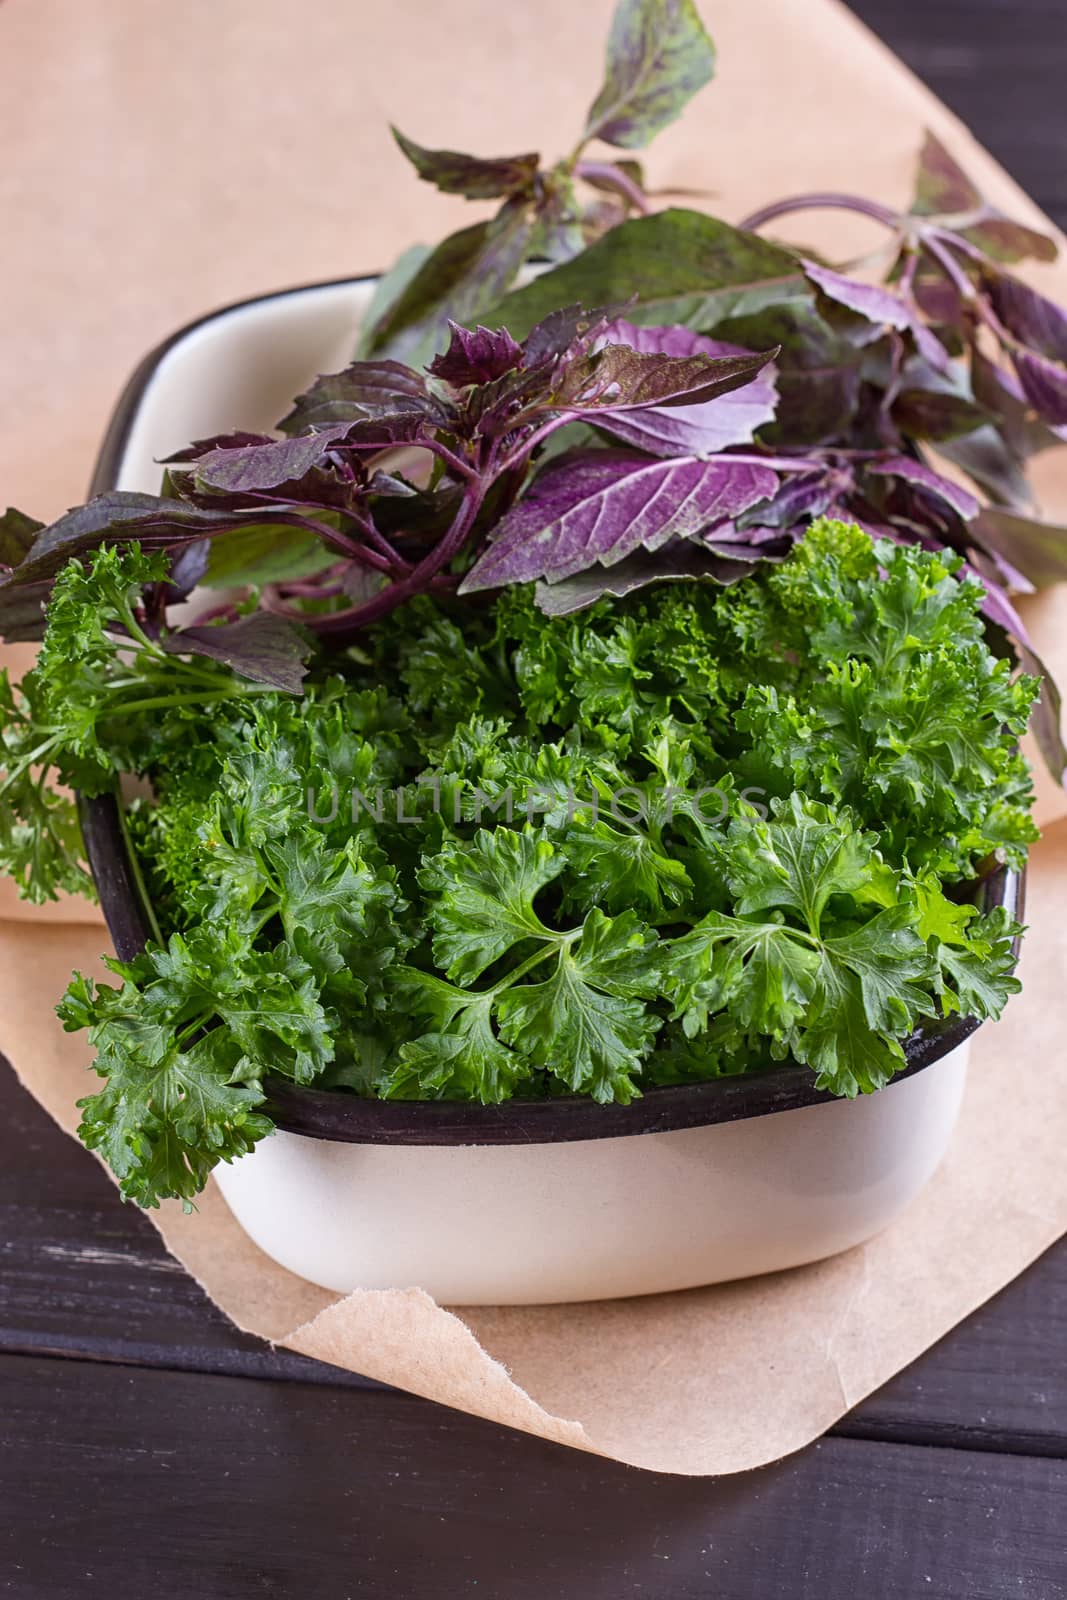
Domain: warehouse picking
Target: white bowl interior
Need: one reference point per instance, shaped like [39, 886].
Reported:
[240, 369]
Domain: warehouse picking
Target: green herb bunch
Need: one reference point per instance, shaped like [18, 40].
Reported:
[494, 853]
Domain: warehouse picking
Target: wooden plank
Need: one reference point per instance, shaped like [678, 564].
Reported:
[137, 1482]
[87, 1276]
[1000, 65]
[83, 1274]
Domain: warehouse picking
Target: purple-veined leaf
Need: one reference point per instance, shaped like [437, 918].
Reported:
[476, 357]
[563, 337]
[565, 331]
[1038, 549]
[943, 189]
[475, 177]
[219, 441]
[616, 378]
[818, 371]
[801, 496]
[259, 468]
[365, 390]
[1038, 347]
[155, 521]
[995, 569]
[941, 185]
[924, 478]
[1045, 384]
[678, 266]
[999, 390]
[681, 562]
[695, 429]
[882, 308]
[659, 55]
[1037, 321]
[264, 648]
[17, 535]
[986, 457]
[601, 507]
[189, 567]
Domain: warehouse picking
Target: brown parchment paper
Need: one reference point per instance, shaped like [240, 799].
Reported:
[161, 160]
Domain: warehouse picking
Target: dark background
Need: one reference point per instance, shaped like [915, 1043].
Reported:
[149, 1450]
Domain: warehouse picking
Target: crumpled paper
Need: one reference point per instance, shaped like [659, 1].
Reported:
[194, 189]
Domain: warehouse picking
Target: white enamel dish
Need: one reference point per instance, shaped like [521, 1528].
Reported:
[525, 1202]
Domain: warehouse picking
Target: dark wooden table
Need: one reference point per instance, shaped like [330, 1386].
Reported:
[148, 1451]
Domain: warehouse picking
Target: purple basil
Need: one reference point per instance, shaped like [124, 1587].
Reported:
[604, 506]
[699, 429]
[475, 177]
[262, 647]
[476, 357]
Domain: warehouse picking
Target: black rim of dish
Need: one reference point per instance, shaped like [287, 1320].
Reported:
[350, 1119]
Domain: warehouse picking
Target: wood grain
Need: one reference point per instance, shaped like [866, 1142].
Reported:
[86, 1276]
[146, 1483]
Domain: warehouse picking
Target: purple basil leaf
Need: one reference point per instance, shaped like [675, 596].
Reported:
[602, 507]
[943, 189]
[617, 378]
[999, 390]
[882, 308]
[1007, 241]
[476, 357]
[996, 570]
[262, 647]
[463, 277]
[1037, 330]
[869, 300]
[17, 535]
[391, 486]
[1039, 323]
[1038, 549]
[675, 267]
[1044, 383]
[259, 468]
[220, 441]
[801, 496]
[938, 298]
[941, 185]
[699, 429]
[365, 390]
[681, 563]
[988, 460]
[472, 176]
[113, 518]
[818, 372]
[382, 433]
[564, 332]
[189, 566]
[659, 55]
[924, 478]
